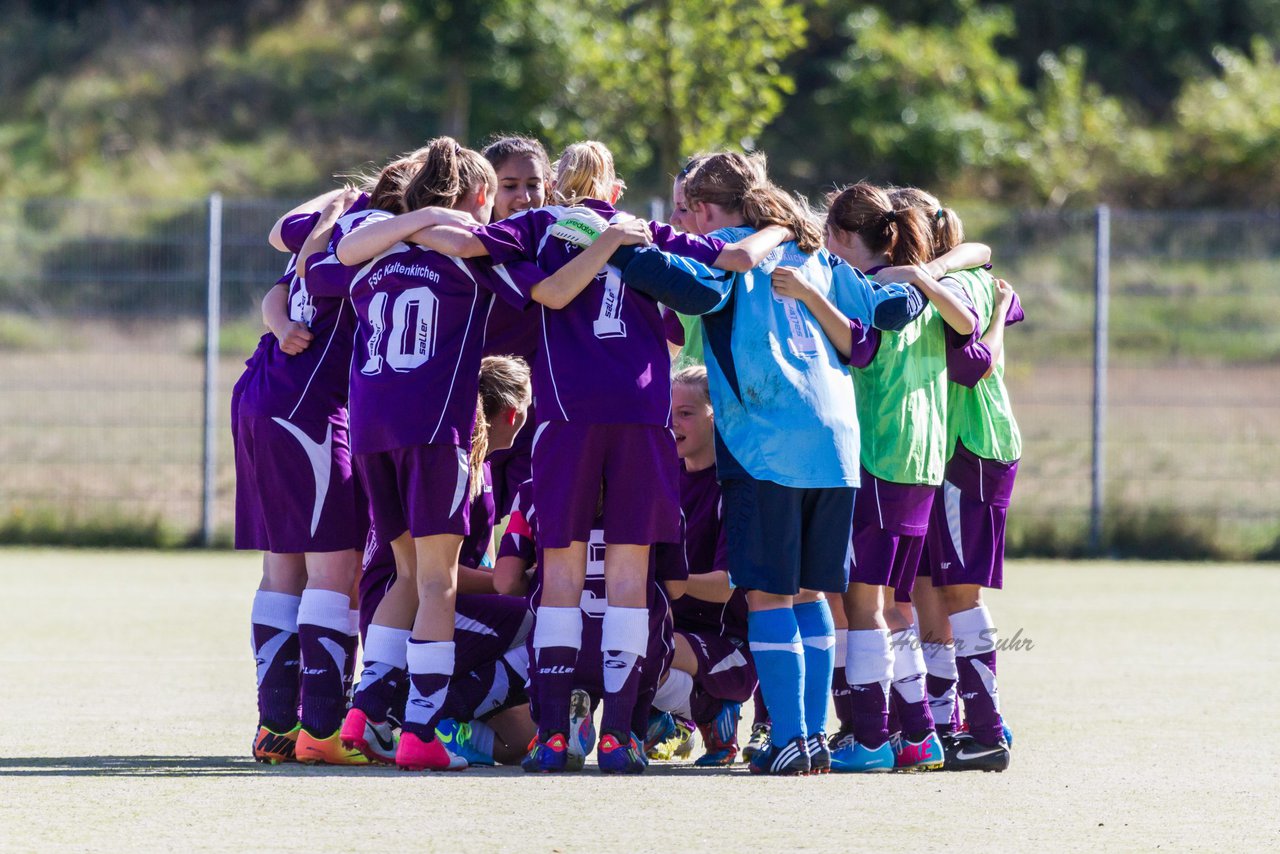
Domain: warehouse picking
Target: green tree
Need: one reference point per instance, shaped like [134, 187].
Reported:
[1228, 140]
[661, 79]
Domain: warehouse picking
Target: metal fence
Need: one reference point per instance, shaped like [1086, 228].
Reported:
[1151, 417]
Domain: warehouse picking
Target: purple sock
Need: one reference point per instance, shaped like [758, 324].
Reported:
[843, 697]
[385, 676]
[941, 701]
[981, 700]
[895, 707]
[914, 717]
[624, 639]
[276, 652]
[870, 703]
[869, 672]
[552, 678]
[430, 668]
[640, 713]
[975, 641]
[322, 634]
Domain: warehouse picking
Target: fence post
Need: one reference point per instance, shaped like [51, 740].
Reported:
[1101, 301]
[212, 324]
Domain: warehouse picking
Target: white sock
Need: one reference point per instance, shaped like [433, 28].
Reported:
[557, 627]
[387, 646]
[430, 659]
[624, 638]
[673, 694]
[974, 631]
[869, 658]
[908, 665]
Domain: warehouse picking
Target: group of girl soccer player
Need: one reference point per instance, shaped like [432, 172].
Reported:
[809, 516]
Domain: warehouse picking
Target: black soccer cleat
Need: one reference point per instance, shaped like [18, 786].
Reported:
[965, 753]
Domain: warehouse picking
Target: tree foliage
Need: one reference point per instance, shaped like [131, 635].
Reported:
[1156, 101]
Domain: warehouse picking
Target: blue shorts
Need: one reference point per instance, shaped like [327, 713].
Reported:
[781, 539]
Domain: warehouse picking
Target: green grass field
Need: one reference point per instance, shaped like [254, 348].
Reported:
[1142, 714]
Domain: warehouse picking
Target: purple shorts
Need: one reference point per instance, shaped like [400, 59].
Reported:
[423, 489]
[889, 525]
[966, 534]
[295, 491]
[725, 668]
[635, 463]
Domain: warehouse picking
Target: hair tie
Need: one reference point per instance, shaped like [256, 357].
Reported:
[940, 213]
[891, 216]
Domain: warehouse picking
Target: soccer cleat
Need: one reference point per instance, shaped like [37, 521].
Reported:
[924, 755]
[414, 754]
[1004, 727]
[377, 741]
[456, 738]
[719, 753]
[685, 750]
[966, 753]
[759, 741]
[582, 730]
[849, 756]
[789, 760]
[662, 727]
[329, 750]
[546, 757]
[616, 756]
[275, 747]
[819, 753]
[678, 736]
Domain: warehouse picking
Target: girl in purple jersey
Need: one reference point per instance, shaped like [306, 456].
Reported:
[524, 180]
[296, 500]
[602, 387]
[414, 460]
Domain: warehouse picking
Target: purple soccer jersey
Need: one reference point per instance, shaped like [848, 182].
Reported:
[603, 358]
[290, 427]
[310, 387]
[419, 336]
[704, 548]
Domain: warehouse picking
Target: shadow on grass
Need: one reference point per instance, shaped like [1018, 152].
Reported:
[243, 766]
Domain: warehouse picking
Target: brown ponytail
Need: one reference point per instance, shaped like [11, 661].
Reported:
[944, 224]
[865, 210]
[448, 175]
[504, 384]
[739, 183]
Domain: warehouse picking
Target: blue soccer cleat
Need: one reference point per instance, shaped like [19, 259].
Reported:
[849, 756]
[456, 737]
[546, 757]
[616, 756]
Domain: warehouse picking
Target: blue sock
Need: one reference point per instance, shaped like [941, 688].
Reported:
[775, 646]
[818, 634]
